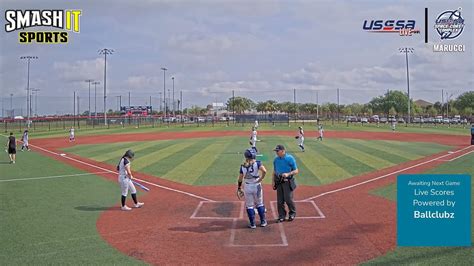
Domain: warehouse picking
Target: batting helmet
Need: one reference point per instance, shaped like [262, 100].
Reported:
[130, 154]
[250, 154]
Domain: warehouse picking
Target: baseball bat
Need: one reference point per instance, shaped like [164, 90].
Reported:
[140, 185]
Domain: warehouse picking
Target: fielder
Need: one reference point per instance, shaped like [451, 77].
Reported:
[321, 132]
[125, 179]
[300, 138]
[71, 135]
[25, 141]
[253, 191]
[255, 125]
[253, 139]
[11, 148]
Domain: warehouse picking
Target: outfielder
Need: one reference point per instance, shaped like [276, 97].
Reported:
[255, 125]
[25, 141]
[253, 191]
[300, 138]
[71, 135]
[321, 132]
[125, 179]
[253, 139]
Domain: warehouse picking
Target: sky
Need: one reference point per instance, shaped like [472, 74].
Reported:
[259, 49]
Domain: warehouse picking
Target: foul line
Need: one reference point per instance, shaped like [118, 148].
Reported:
[48, 177]
[383, 176]
[107, 170]
[455, 158]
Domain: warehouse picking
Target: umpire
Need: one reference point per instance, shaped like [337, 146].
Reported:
[284, 170]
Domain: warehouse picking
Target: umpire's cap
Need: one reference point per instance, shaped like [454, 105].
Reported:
[250, 154]
[279, 148]
[130, 154]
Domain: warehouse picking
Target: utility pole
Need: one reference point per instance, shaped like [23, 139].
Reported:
[173, 97]
[294, 103]
[406, 51]
[11, 106]
[164, 90]
[338, 105]
[74, 110]
[35, 91]
[95, 97]
[105, 52]
[28, 104]
[89, 81]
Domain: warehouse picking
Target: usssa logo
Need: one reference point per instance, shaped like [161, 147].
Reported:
[402, 27]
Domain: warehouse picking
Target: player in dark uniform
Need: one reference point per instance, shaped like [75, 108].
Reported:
[11, 146]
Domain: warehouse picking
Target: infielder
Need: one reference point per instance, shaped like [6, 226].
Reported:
[125, 180]
[255, 125]
[11, 147]
[71, 135]
[253, 139]
[300, 138]
[253, 191]
[25, 141]
[321, 132]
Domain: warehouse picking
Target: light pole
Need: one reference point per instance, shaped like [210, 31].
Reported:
[11, 105]
[95, 83]
[164, 90]
[406, 51]
[35, 91]
[28, 58]
[173, 96]
[89, 81]
[105, 52]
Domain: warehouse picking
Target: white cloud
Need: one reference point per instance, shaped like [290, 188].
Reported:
[80, 70]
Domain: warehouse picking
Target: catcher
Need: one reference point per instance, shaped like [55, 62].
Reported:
[249, 173]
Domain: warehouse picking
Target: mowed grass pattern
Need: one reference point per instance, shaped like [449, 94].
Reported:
[216, 161]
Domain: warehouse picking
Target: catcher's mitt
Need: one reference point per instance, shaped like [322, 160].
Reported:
[297, 137]
[240, 193]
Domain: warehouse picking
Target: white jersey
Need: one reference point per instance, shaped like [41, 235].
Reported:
[122, 173]
[251, 172]
[321, 131]
[256, 124]
[25, 137]
[253, 136]
[71, 132]
[301, 134]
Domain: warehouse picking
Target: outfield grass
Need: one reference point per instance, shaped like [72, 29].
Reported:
[215, 161]
[432, 255]
[309, 126]
[53, 221]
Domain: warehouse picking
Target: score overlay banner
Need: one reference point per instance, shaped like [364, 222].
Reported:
[434, 210]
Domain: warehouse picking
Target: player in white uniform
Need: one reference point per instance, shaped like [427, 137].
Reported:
[25, 141]
[301, 138]
[71, 135]
[125, 179]
[253, 139]
[255, 125]
[253, 190]
[321, 132]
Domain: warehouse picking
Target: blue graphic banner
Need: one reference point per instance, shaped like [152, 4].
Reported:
[434, 210]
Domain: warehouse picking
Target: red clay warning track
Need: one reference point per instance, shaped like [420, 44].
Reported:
[182, 224]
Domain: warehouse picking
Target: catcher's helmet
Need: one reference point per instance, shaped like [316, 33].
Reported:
[250, 154]
[130, 154]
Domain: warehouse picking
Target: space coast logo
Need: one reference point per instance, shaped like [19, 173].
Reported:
[31, 24]
[449, 25]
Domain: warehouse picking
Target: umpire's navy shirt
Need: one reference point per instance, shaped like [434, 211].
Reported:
[284, 164]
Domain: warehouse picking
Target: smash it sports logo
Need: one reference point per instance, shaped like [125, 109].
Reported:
[402, 27]
[64, 20]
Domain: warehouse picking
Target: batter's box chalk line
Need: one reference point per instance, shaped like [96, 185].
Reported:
[203, 205]
[319, 213]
